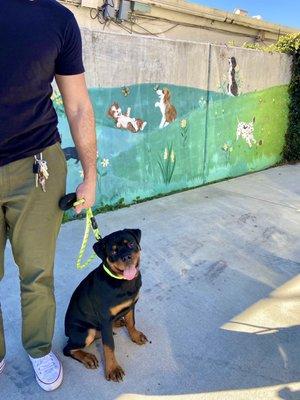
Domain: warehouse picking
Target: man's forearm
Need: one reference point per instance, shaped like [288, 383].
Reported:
[82, 124]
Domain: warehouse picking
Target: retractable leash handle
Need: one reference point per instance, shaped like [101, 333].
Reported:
[65, 203]
[68, 201]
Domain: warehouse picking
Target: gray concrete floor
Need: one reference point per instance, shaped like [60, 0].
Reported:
[220, 299]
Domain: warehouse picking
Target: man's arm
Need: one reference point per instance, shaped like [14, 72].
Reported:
[80, 115]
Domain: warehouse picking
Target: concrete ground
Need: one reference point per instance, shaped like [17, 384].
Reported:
[220, 300]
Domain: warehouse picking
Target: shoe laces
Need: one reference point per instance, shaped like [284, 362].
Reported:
[45, 365]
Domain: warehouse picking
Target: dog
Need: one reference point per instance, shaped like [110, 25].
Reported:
[232, 87]
[105, 299]
[71, 152]
[245, 131]
[124, 121]
[167, 110]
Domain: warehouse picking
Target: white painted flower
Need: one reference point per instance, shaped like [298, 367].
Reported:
[183, 123]
[172, 156]
[105, 162]
[166, 154]
[81, 173]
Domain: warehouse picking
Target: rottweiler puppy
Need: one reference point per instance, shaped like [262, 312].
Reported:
[104, 299]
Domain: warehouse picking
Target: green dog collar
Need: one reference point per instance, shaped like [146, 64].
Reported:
[111, 274]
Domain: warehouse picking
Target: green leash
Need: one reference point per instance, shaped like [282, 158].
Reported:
[65, 203]
[90, 223]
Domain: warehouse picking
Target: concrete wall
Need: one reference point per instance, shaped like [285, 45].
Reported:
[177, 19]
[143, 59]
[217, 133]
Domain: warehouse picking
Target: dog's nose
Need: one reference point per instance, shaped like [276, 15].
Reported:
[126, 258]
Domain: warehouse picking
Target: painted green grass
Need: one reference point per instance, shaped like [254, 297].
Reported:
[140, 163]
[198, 148]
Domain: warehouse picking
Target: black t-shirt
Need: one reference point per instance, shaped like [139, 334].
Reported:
[38, 39]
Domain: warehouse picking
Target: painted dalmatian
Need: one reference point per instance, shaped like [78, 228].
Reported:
[245, 130]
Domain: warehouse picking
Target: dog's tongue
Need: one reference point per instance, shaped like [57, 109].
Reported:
[129, 273]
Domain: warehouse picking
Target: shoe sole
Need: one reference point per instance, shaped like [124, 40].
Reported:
[2, 365]
[49, 387]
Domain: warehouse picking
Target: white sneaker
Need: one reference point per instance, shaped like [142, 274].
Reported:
[48, 371]
[2, 365]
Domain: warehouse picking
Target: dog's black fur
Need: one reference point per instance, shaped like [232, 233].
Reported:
[93, 300]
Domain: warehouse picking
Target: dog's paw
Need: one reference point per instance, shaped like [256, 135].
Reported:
[114, 373]
[119, 323]
[138, 337]
[90, 361]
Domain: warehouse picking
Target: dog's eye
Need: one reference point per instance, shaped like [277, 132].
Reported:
[130, 245]
[113, 252]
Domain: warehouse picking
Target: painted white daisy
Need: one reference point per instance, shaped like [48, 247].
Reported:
[183, 123]
[166, 154]
[105, 162]
[172, 156]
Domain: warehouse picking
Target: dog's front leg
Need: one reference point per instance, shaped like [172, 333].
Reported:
[113, 371]
[135, 335]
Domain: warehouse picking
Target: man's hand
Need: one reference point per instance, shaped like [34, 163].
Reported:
[87, 191]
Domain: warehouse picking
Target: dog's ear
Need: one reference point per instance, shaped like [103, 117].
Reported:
[109, 111]
[167, 94]
[100, 249]
[136, 233]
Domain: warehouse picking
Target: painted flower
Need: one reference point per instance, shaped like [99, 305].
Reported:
[56, 98]
[105, 162]
[225, 147]
[172, 156]
[166, 154]
[202, 102]
[183, 123]
[81, 173]
[125, 90]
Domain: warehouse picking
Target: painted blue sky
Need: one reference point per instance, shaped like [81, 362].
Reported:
[281, 12]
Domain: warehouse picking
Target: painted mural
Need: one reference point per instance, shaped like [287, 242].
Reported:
[158, 138]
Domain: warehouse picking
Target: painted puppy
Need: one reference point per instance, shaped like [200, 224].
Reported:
[232, 87]
[106, 298]
[167, 109]
[124, 121]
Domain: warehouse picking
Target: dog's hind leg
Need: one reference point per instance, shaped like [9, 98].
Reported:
[119, 323]
[162, 123]
[76, 343]
[87, 359]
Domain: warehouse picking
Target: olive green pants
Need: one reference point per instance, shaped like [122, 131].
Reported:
[31, 219]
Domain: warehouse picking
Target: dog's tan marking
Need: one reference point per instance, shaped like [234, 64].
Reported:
[118, 308]
[92, 335]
